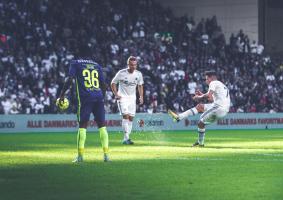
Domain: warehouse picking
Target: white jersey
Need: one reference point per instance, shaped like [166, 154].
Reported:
[128, 82]
[220, 94]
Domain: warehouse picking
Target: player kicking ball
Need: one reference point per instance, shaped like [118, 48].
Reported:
[90, 88]
[218, 93]
[128, 79]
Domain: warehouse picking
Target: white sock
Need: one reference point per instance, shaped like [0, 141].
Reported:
[190, 112]
[130, 125]
[125, 126]
[201, 135]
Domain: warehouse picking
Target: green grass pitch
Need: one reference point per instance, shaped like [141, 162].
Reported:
[243, 165]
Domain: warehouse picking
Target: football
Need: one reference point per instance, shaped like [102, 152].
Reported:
[62, 105]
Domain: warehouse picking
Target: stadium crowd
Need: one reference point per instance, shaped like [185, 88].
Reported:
[39, 38]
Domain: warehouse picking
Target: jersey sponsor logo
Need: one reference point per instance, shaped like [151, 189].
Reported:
[129, 83]
[86, 61]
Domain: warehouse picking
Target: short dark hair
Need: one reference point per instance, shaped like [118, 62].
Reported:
[84, 52]
[210, 73]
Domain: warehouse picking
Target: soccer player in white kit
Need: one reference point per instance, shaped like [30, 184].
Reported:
[128, 79]
[218, 93]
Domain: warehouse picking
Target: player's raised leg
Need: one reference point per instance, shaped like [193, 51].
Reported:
[183, 115]
[174, 115]
[188, 113]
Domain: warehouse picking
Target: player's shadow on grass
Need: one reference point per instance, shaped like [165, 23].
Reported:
[35, 147]
[95, 180]
[139, 143]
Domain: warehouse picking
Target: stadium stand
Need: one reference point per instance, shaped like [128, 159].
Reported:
[38, 39]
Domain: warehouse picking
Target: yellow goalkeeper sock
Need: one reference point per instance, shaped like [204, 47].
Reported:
[81, 137]
[104, 139]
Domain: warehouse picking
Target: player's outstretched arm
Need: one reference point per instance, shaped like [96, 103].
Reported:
[198, 92]
[199, 96]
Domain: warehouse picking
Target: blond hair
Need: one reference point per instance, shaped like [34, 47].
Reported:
[131, 58]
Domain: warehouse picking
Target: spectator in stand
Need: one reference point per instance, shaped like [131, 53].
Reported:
[37, 44]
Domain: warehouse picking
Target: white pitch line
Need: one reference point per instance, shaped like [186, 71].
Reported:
[270, 154]
[223, 159]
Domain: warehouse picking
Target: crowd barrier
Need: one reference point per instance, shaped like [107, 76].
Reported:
[152, 122]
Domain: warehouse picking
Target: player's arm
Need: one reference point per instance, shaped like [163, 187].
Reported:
[102, 84]
[68, 80]
[140, 89]
[66, 86]
[114, 83]
[115, 91]
[200, 96]
[103, 87]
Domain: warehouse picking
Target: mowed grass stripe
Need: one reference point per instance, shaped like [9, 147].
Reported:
[233, 165]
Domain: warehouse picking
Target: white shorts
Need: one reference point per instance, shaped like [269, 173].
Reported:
[213, 112]
[127, 107]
